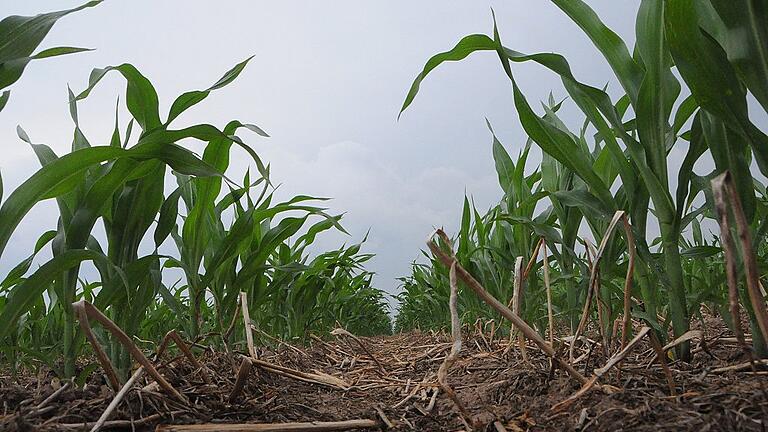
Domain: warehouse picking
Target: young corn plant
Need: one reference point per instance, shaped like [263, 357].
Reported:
[572, 204]
[228, 242]
[312, 295]
[238, 258]
[119, 184]
[488, 245]
[666, 36]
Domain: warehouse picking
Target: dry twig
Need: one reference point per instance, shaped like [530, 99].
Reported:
[242, 377]
[247, 322]
[599, 372]
[515, 319]
[442, 372]
[86, 310]
[343, 332]
[619, 215]
[184, 348]
[118, 398]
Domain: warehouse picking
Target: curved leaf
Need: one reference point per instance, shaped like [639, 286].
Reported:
[191, 98]
[24, 294]
[465, 47]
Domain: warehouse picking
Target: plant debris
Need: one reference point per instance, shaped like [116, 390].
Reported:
[497, 387]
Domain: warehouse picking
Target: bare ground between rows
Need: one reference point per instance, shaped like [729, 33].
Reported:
[492, 381]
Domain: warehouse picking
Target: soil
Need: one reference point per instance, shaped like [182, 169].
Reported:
[500, 389]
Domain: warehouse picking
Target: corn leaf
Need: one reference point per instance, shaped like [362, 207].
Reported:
[140, 96]
[746, 42]
[26, 293]
[609, 43]
[190, 99]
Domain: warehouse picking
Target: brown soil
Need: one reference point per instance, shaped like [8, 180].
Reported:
[494, 384]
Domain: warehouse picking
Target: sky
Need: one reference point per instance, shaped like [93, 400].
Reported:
[326, 82]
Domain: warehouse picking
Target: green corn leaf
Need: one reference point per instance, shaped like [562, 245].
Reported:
[746, 42]
[269, 242]
[20, 36]
[173, 303]
[691, 217]
[115, 140]
[504, 165]
[21, 269]
[730, 151]
[700, 251]
[659, 88]
[696, 148]
[698, 237]
[60, 171]
[684, 112]
[522, 185]
[255, 129]
[216, 154]
[551, 139]
[609, 43]
[189, 99]
[86, 373]
[4, 96]
[585, 201]
[46, 155]
[39, 185]
[593, 101]
[58, 51]
[101, 192]
[580, 92]
[231, 198]
[79, 141]
[702, 63]
[542, 229]
[554, 62]
[141, 97]
[605, 166]
[704, 66]
[231, 246]
[464, 235]
[309, 237]
[166, 221]
[24, 294]
[128, 132]
[123, 290]
[464, 48]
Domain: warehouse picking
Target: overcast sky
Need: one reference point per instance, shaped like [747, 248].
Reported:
[327, 81]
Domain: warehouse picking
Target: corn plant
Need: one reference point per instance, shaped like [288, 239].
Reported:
[228, 242]
[666, 36]
[251, 254]
[488, 246]
[312, 295]
[121, 185]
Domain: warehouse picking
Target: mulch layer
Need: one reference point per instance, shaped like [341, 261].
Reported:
[392, 381]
